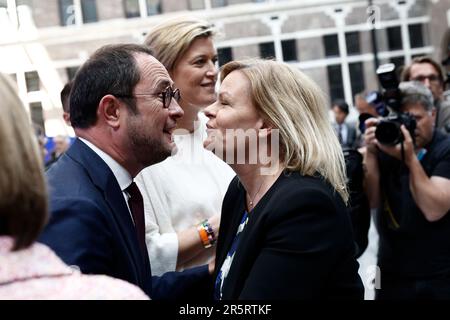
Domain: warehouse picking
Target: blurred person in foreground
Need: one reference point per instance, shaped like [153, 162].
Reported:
[409, 184]
[29, 270]
[123, 107]
[285, 229]
[183, 195]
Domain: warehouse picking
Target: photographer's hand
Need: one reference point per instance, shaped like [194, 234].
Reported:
[369, 136]
[396, 151]
[431, 194]
[371, 171]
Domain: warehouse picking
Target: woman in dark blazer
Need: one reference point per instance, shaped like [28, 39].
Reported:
[285, 231]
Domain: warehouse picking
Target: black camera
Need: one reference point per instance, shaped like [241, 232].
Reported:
[388, 131]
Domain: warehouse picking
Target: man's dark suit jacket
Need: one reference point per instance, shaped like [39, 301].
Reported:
[90, 226]
[351, 135]
[297, 244]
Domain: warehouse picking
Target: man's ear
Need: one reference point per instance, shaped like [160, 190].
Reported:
[433, 112]
[109, 110]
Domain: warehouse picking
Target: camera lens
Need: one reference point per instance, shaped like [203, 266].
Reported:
[388, 132]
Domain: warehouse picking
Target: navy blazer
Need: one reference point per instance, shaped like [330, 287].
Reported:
[297, 243]
[90, 226]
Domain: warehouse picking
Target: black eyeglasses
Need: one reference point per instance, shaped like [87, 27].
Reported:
[432, 78]
[166, 96]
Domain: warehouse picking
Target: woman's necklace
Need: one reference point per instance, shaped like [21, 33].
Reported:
[252, 200]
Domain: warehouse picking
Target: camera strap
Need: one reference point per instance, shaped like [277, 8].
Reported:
[387, 208]
[403, 151]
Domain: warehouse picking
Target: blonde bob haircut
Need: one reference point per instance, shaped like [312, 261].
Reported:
[291, 102]
[23, 192]
[170, 40]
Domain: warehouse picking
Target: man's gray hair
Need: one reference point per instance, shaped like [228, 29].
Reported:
[416, 92]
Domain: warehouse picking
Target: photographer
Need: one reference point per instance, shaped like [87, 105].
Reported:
[409, 183]
[429, 72]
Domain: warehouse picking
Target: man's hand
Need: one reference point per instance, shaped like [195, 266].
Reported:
[396, 151]
[212, 265]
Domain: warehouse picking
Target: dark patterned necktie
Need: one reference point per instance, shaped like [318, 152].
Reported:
[136, 204]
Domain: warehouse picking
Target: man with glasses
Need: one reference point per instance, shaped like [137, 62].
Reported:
[409, 185]
[429, 72]
[123, 108]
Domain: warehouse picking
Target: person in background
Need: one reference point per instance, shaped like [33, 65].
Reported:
[429, 72]
[345, 132]
[29, 270]
[365, 110]
[409, 185]
[183, 194]
[42, 140]
[61, 143]
[123, 107]
[65, 101]
[285, 230]
[364, 107]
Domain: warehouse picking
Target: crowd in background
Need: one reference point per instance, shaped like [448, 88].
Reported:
[152, 191]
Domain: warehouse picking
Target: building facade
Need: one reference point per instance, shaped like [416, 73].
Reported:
[43, 42]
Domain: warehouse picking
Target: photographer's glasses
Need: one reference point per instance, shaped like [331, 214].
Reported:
[431, 78]
[166, 95]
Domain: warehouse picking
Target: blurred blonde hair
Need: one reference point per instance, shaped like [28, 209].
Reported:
[170, 39]
[294, 104]
[23, 192]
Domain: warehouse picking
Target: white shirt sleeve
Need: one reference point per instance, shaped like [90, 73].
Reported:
[160, 237]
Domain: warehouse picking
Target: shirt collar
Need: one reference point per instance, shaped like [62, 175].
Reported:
[122, 176]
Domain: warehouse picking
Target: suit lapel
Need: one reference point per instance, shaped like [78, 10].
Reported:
[102, 176]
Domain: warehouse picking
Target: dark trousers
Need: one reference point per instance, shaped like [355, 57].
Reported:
[394, 287]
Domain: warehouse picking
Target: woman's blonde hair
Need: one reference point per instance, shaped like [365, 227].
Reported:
[23, 192]
[294, 104]
[170, 40]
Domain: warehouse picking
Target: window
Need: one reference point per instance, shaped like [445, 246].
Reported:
[131, 8]
[267, 50]
[32, 81]
[66, 12]
[225, 55]
[196, 4]
[71, 72]
[289, 50]
[356, 77]
[335, 82]
[13, 77]
[153, 7]
[331, 45]
[394, 36]
[416, 35]
[218, 3]
[352, 42]
[89, 10]
[37, 114]
[398, 61]
[24, 3]
[3, 3]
